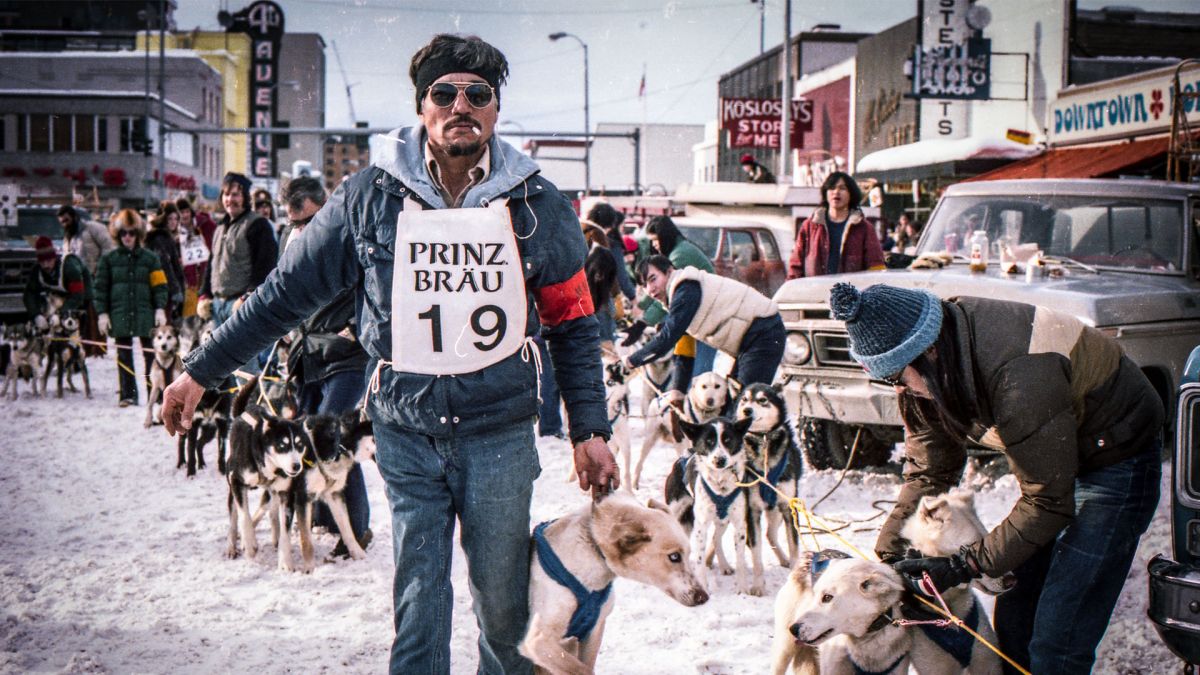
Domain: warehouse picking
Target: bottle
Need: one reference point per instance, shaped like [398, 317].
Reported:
[979, 251]
[1034, 268]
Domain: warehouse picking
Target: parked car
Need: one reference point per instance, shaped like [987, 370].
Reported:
[1175, 582]
[17, 257]
[740, 249]
[1122, 255]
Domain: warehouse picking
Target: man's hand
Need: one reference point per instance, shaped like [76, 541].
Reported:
[160, 318]
[945, 572]
[673, 398]
[595, 466]
[179, 403]
[103, 323]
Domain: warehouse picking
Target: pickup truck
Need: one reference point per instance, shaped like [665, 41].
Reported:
[17, 257]
[740, 249]
[1122, 255]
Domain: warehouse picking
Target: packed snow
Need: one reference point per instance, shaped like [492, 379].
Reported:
[113, 561]
[933, 151]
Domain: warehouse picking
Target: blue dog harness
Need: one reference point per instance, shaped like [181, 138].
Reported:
[955, 642]
[768, 495]
[587, 603]
[721, 502]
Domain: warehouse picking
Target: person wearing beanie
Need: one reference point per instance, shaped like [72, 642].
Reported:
[836, 238]
[716, 310]
[63, 277]
[243, 250]
[756, 172]
[1079, 424]
[457, 252]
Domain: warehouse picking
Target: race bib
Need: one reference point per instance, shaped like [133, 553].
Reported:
[458, 293]
[194, 252]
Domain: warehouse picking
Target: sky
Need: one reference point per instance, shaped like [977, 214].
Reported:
[682, 46]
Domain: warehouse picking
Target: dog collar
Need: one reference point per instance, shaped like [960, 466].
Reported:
[588, 603]
[882, 621]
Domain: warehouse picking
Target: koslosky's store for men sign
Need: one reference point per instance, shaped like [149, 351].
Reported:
[757, 122]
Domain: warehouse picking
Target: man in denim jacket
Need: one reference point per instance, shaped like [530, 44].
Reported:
[447, 216]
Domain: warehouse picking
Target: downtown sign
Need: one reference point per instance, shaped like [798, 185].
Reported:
[1123, 107]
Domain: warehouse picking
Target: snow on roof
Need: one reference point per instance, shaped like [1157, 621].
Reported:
[935, 151]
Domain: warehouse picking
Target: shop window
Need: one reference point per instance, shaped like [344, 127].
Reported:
[85, 133]
[39, 133]
[60, 126]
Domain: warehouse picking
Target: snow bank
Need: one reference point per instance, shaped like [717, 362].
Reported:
[112, 561]
[935, 151]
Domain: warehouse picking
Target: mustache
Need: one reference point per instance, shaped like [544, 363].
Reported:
[460, 120]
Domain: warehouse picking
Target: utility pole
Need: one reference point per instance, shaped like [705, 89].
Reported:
[146, 196]
[785, 141]
[162, 100]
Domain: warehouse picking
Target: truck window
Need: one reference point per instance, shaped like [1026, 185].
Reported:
[741, 247]
[770, 249]
[703, 237]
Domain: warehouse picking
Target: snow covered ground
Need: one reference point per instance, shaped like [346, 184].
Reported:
[113, 561]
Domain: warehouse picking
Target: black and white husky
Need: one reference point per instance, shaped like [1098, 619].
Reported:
[266, 452]
[64, 354]
[336, 444]
[212, 417]
[24, 359]
[712, 474]
[616, 399]
[774, 457]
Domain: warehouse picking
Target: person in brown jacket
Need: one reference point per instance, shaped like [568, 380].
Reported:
[1079, 424]
[836, 238]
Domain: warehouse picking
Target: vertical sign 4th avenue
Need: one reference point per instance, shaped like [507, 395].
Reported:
[756, 122]
[263, 22]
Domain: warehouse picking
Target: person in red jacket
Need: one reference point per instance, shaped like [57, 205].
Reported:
[836, 238]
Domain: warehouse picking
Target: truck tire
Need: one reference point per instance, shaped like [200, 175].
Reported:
[827, 445]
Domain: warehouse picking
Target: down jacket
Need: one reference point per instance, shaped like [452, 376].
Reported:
[860, 247]
[130, 285]
[1057, 397]
[350, 244]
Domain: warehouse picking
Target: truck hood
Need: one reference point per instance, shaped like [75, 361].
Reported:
[1104, 299]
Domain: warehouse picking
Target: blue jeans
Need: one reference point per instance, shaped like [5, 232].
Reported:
[758, 361]
[222, 309]
[549, 413]
[1070, 587]
[484, 482]
[336, 394]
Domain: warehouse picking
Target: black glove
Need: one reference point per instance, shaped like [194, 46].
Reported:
[893, 557]
[946, 572]
[635, 332]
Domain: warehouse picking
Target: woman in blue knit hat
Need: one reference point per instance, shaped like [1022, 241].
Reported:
[1079, 423]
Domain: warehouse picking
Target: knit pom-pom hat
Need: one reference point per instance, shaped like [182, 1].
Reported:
[889, 327]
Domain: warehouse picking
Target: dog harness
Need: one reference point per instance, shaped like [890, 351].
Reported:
[587, 603]
[722, 502]
[769, 496]
[955, 642]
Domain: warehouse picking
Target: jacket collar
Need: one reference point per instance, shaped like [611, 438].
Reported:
[821, 216]
[401, 153]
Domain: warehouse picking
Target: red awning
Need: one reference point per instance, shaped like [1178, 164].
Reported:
[1094, 161]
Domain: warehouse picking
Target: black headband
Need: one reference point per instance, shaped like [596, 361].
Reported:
[439, 66]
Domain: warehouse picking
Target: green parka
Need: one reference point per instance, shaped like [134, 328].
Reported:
[130, 285]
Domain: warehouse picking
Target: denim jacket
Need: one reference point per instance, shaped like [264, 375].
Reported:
[349, 244]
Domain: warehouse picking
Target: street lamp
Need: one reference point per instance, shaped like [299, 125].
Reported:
[587, 126]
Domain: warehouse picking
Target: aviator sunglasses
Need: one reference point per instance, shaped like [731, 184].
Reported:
[443, 94]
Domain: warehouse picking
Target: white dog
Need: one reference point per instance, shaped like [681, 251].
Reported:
[940, 526]
[846, 607]
[575, 560]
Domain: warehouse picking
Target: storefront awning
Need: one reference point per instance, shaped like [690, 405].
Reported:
[944, 158]
[1092, 161]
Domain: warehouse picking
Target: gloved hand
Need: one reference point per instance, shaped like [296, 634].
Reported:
[635, 331]
[160, 317]
[946, 572]
[673, 398]
[103, 324]
[39, 322]
[893, 557]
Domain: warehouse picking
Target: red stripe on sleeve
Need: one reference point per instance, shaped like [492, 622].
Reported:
[74, 287]
[564, 301]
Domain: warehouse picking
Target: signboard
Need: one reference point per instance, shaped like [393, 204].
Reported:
[953, 71]
[951, 64]
[1122, 107]
[756, 122]
[263, 22]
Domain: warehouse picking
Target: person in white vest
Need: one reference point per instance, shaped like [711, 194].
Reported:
[717, 310]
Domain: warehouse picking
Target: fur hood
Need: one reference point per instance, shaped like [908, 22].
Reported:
[401, 153]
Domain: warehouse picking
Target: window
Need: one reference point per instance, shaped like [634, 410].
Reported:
[102, 134]
[741, 247]
[770, 249]
[126, 144]
[85, 133]
[39, 133]
[3, 128]
[23, 132]
[60, 126]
